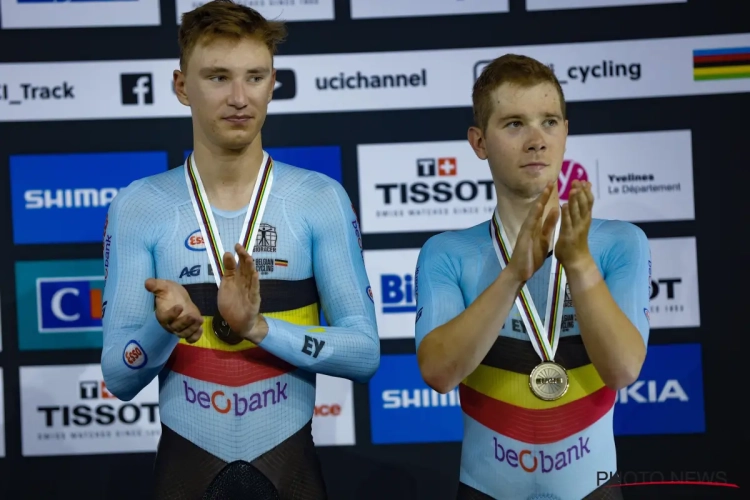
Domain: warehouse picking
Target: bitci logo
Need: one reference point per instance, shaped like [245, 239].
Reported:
[571, 171]
[445, 167]
[391, 274]
[398, 293]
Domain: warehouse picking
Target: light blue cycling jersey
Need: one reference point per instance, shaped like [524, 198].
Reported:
[515, 445]
[238, 401]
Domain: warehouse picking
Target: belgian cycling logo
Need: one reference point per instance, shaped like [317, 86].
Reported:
[136, 89]
[265, 241]
[571, 171]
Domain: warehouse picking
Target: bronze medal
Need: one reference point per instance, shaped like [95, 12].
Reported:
[224, 332]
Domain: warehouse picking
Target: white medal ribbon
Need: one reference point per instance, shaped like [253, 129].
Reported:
[539, 335]
[203, 212]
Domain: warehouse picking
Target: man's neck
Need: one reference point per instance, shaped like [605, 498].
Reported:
[228, 176]
[513, 211]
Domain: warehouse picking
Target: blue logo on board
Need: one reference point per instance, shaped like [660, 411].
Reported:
[667, 398]
[404, 409]
[60, 304]
[397, 293]
[65, 198]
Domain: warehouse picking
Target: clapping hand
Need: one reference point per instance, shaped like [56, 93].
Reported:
[239, 293]
[534, 238]
[572, 246]
[175, 311]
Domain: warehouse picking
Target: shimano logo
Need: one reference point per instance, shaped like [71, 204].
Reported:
[363, 81]
[69, 198]
[419, 398]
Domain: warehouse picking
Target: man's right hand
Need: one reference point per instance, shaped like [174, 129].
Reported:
[175, 311]
[534, 240]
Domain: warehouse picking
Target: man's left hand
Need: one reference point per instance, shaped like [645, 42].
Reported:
[572, 248]
[239, 292]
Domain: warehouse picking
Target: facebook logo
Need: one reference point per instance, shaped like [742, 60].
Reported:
[404, 409]
[136, 88]
[70, 304]
[667, 398]
[397, 293]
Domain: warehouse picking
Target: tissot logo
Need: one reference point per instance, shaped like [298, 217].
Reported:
[445, 167]
[286, 84]
[136, 88]
[437, 192]
[68, 410]
[674, 301]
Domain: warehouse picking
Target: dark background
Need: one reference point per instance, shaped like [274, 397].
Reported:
[425, 471]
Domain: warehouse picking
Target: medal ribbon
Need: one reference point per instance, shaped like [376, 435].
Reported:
[205, 216]
[544, 340]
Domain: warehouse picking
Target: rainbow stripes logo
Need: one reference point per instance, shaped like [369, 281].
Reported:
[721, 64]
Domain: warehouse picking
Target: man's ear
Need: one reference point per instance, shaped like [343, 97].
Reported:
[178, 85]
[476, 139]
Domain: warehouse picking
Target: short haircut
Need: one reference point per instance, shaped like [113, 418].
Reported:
[228, 20]
[513, 69]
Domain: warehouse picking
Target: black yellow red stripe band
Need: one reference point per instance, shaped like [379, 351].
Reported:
[536, 426]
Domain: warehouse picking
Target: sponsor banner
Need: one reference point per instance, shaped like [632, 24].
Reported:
[333, 420]
[439, 186]
[281, 10]
[391, 276]
[59, 304]
[583, 4]
[367, 9]
[2, 414]
[590, 71]
[78, 13]
[67, 410]
[674, 283]
[422, 186]
[403, 409]
[636, 177]
[667, 398]
[64, 198]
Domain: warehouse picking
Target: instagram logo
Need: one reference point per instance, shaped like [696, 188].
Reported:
[570, 171]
